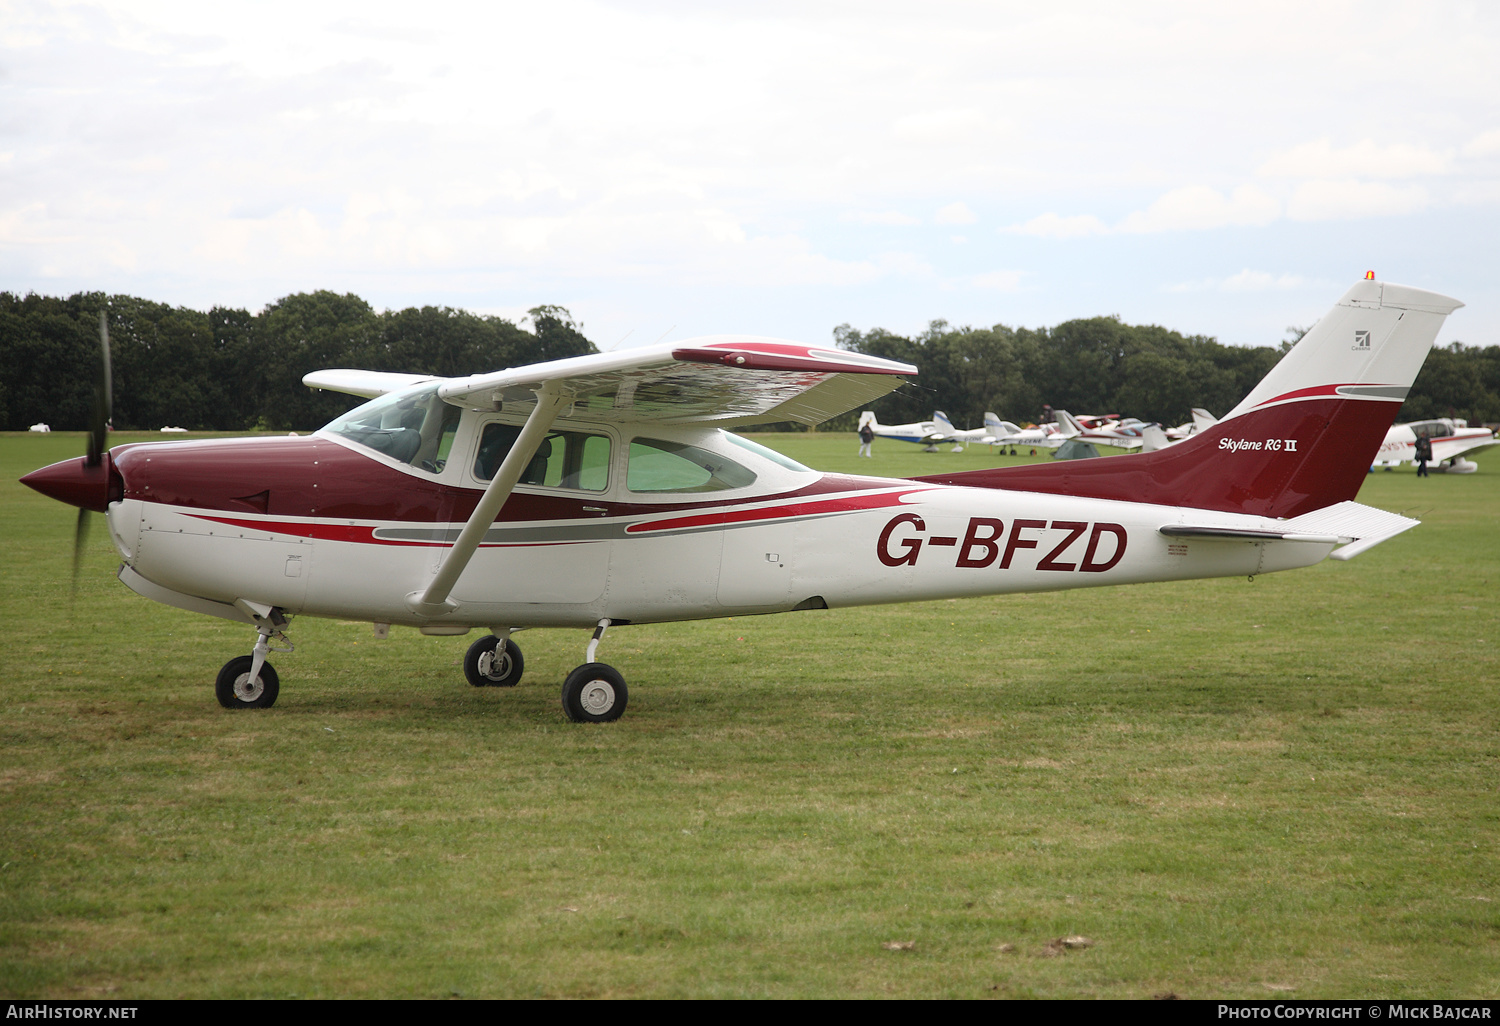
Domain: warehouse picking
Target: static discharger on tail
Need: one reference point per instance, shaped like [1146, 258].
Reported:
[605, 490]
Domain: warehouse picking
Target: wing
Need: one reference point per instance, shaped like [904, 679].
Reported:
[363, 382]
[724, 379]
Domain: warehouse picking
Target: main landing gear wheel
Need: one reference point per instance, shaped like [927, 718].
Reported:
[235, 690]
[594, 693]
[487, 665]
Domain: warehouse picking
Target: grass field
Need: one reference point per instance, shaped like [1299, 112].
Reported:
[1283, 787]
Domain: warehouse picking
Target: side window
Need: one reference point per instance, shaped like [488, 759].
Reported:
[565, 459]
[661, 466]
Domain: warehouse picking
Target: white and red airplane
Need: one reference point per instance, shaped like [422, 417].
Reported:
[602, 490]
[1050, 436]
[1450, 440]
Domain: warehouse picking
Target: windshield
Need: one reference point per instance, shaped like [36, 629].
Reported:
[415, 428]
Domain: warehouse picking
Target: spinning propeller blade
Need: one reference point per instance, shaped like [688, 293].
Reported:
[98, 436]
[103, 397]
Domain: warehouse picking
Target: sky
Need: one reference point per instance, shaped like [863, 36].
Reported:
[671, 169]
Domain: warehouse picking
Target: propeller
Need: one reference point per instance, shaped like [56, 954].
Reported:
[98, 435]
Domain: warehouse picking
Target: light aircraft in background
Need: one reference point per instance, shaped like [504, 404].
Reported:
[1048, 436]
[1450, 440]
[605, 490]
[927, 433]
[1201, 419]
[957, 437]
[1154, 437]
[1122, 433]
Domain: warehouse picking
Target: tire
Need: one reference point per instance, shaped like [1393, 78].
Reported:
[594, 693]
[233, 688]
[502, 669]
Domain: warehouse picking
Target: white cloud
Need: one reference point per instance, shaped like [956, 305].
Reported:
[1348, 199]
[1483, 144]
[997, 281]
[1364, 159]
[940, 126]
[1248, 281]
[1197, 207]
[955, 213]
[893, 218]
[1054, 226]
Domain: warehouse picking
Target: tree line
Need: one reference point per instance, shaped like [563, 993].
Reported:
[229, 370]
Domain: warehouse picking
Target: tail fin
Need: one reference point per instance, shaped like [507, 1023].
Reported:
[1000, 428]
[867, 417]
[1202, 419]
[941, 419]
[1301, 440]
[1069, 427]
[1153, 438]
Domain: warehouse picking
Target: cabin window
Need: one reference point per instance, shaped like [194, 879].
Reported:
[660, 466]
[565, 459]
[412, 428]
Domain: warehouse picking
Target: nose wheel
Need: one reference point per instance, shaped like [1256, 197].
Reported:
[248, 681]
[237, 689]
[494, 662]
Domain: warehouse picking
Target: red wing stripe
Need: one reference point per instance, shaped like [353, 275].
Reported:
[846, 504]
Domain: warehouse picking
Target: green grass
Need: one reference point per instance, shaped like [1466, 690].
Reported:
[1277, 788]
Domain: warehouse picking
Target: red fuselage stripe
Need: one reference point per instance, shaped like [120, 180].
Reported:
[796, 509]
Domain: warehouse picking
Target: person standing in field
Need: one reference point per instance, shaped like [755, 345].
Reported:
[1424, 453]
[866, 437]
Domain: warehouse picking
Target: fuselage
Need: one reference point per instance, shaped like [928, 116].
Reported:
[633, 524]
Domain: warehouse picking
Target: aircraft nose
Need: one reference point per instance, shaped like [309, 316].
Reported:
[78, 484]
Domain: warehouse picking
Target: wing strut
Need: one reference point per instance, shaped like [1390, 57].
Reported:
[435, 601]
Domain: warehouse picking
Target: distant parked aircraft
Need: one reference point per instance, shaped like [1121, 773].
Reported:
[1450, 440]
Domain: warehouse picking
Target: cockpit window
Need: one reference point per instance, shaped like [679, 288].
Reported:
[565, 459]
[416, 428]
[661, 466]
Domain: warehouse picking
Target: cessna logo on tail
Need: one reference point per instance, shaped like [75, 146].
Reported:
[1361, 341]
[986, 541]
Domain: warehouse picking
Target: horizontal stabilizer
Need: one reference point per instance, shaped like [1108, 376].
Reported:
[1349, 524]
[1365, 525]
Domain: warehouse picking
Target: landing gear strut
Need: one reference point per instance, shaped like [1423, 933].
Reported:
[595, 692]
[249, 682]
